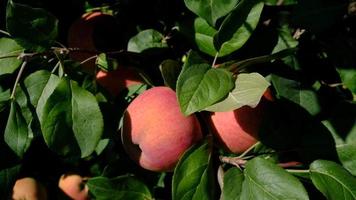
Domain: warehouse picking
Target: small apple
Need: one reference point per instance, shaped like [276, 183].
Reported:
[74, 186]
[29, 189]
[155, 133]
[238, 130]
[119, 79]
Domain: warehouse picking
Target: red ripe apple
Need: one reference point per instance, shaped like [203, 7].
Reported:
[28, 188]
[73, 185]
[238, 130]
[118, 80]
[94, 31]
[155, 133]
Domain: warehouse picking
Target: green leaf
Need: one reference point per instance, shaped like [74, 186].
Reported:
[17, 135]
[105, 63]
[4, 99]
[70, 118]
[200, 86]
[170, 70]
[347, 156]
[266, 180]
[7, 180]
[233, 179]
[193, 177]
[33, 28]
[333, 180]
[9, 47]
[249, 88]
[204, 36]
[237, 27]
[348, 77]
[146, 40]
[293, 90]
[122, 187]
[210, 10]
[35, 84]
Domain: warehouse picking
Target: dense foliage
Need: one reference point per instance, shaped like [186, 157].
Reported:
[58, 117]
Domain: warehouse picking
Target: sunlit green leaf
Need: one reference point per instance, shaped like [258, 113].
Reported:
[145, 40]
[200, 86]
[249, 88]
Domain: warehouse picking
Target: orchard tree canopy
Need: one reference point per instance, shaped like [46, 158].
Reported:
[178, 99]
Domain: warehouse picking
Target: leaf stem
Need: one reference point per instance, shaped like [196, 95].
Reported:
[4, 32]
[55, 67]
[296, 171]
[248, 150]
[18, 79]
[215, 58]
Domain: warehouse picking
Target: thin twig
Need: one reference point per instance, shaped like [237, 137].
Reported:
[88, 59]
[238, 162]
[18, 78]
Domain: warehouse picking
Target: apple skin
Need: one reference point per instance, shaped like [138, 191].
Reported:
[155, 133]
[93, 32]
[237, 130]
[30, 189]
[119, 79]
[73, 185]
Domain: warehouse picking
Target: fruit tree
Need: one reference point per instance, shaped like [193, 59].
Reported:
[178, 99]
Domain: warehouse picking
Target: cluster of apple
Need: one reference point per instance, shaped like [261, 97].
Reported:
[155, 133]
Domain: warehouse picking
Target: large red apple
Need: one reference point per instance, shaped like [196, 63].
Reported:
[238, 130]
[155, 133]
